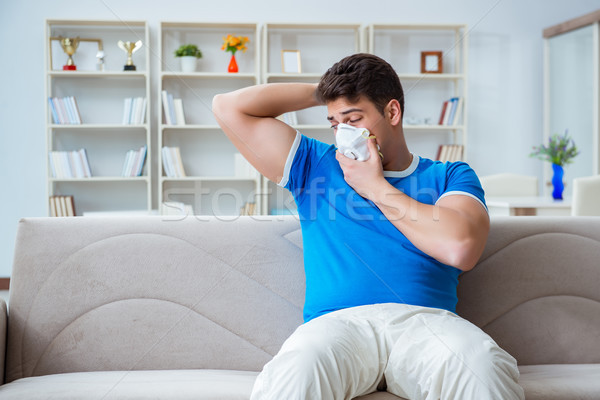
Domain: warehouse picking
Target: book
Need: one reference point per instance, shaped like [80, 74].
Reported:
[179, 115]
[141, 160]
[62, 206]
[53, 111]
[166, 108]
[444, 106]
[75, 107]
[171, 109]
[127, 110]
[453, 104]
[458, 112]
[178, 161]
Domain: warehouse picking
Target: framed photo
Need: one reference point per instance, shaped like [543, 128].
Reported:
[290, 61]
[431, 62]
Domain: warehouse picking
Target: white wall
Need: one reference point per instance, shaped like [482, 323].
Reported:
[505, 85]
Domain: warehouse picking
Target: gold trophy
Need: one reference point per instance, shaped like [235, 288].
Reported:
[130, 48]
[69, 45]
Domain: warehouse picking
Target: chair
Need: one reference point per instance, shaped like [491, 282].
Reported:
[586, 196]
[509, 185]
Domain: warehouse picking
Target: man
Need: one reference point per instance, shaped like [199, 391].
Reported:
[384, 242]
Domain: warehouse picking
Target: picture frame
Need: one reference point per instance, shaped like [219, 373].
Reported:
[431, 62]
[290, 62]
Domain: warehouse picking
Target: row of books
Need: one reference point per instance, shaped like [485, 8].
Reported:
[64, 110]
[172, 163]
[62, 206]
[450, 152]
[134, 162]
[70, 164]
[451, 110]
[134, 111]
[173, 109]
[248, 209]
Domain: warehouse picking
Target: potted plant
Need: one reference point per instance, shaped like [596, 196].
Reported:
[560, 151]
[189, 54]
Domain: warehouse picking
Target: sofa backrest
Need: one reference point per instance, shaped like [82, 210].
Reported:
[93, 294]
[536, 289]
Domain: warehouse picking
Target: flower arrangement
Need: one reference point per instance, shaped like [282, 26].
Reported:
[560, 150]
[234, 43]
[188, 50]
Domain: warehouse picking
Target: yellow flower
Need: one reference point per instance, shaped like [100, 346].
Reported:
[234, 43]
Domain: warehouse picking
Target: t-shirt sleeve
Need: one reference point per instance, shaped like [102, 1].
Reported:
[462, 180]
[303, 157]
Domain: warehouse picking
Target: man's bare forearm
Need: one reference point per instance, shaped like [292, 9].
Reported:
[269, 100]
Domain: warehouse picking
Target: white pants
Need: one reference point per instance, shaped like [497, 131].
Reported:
[419, 352]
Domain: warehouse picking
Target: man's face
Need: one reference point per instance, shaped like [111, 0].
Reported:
[360, 114]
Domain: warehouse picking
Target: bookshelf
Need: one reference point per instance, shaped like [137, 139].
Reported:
[213, 183]
[320, 46]
[425, 93]
[210, 185]
[99, 90]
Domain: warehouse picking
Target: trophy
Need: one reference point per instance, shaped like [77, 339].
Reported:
[130, 48]
[69, 45]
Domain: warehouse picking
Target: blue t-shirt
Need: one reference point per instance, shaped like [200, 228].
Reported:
[353, 255]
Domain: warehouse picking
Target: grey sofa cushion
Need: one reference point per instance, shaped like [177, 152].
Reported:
[535, 289]
[143, 385]
[541, 382]
[91, 294]
[561, 382]
[134, 385]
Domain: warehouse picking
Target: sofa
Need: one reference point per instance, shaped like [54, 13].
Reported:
[191, 308]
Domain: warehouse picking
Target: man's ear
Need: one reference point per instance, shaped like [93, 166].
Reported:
[393, 112]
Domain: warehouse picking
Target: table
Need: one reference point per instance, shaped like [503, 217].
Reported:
[533, 205]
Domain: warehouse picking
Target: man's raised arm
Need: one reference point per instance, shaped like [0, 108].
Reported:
[247, 116]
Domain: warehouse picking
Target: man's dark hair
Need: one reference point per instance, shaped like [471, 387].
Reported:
[359, 75]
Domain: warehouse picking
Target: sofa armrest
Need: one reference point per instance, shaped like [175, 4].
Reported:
[3, 324]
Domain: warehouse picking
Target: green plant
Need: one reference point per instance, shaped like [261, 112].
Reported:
[560, 150]
[188, 50]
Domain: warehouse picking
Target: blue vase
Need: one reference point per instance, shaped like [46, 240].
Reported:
[557, 181]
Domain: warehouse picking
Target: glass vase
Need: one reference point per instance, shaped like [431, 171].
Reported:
[557, 182]
[233, 67]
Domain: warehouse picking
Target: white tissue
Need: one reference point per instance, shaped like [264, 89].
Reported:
[352, 142]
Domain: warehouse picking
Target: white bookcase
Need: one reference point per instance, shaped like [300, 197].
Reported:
[320, 46]
[211, 185]
[100, 95]
[424, 93]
